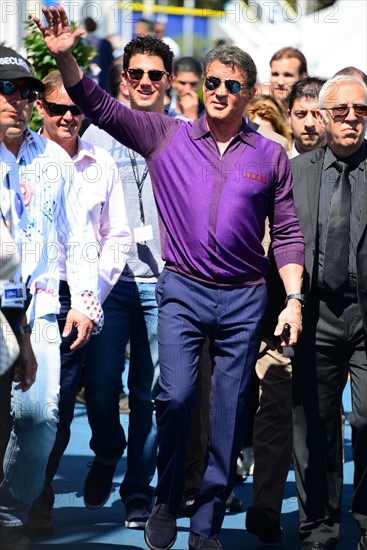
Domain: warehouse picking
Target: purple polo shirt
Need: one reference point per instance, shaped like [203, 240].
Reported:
[212, 208]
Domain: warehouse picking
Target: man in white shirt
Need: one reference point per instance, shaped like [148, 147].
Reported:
[106, 205]
[56, 213]
[18, 364]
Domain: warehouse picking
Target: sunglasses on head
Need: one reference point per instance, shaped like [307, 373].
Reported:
[60, 110]
[9, 88]
[343, 110]
[233, 86]
[154, 75]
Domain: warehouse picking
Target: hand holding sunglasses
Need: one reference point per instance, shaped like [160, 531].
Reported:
[57, 109]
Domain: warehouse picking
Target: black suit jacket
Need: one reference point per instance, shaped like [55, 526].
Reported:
[307, 172]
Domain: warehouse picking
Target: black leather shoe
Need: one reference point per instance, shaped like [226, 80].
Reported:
[265, 523]
[198, 542]
[234, 504]
[98, 484]
[160, 530]
[313, 546]
[362, 545]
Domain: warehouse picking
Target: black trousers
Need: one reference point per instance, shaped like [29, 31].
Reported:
[332, 341]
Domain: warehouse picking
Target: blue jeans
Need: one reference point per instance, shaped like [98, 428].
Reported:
[35, 416]
[130, 312]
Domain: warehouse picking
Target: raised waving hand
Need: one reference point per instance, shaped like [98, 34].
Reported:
[57, 35]
[61, 41]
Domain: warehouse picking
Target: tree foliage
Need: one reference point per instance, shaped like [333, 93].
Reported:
[43, 62]
[40, 57]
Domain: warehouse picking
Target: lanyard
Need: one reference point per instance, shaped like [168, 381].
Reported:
[139, 182]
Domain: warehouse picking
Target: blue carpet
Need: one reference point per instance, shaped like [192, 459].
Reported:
[77, 528]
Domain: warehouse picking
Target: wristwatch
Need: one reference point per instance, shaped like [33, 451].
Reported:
[299, 297]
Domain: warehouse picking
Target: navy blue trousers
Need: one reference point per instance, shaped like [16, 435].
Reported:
[232, 320]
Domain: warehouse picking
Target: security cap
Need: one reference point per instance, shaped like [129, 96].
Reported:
[13, 65]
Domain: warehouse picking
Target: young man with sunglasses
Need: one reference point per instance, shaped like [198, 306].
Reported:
[51, 197]
[131, 309]
[215, 181]
[106, 206]
[330, 193]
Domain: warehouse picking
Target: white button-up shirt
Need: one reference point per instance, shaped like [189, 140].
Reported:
[104, 194]
[57, 213]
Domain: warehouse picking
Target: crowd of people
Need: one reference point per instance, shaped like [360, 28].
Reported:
[222, 234]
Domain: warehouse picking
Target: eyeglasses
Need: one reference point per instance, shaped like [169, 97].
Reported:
[154, 75]
[343, 110]
[233, 86]
[57, 109]
[9, 88]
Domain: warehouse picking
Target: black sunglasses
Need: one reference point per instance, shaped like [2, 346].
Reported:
[343, 110]
[8, 88]
[154, 76]
[60, 110]
[233, 86]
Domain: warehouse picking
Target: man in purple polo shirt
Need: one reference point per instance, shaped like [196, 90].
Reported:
[215, 181]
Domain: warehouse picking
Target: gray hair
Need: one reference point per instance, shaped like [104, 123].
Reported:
[334, 82]
[231, 56]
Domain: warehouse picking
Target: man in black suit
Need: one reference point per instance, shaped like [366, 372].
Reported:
[330, 193]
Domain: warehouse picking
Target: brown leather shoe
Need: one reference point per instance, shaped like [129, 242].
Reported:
[80, 396]
[124, 403]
